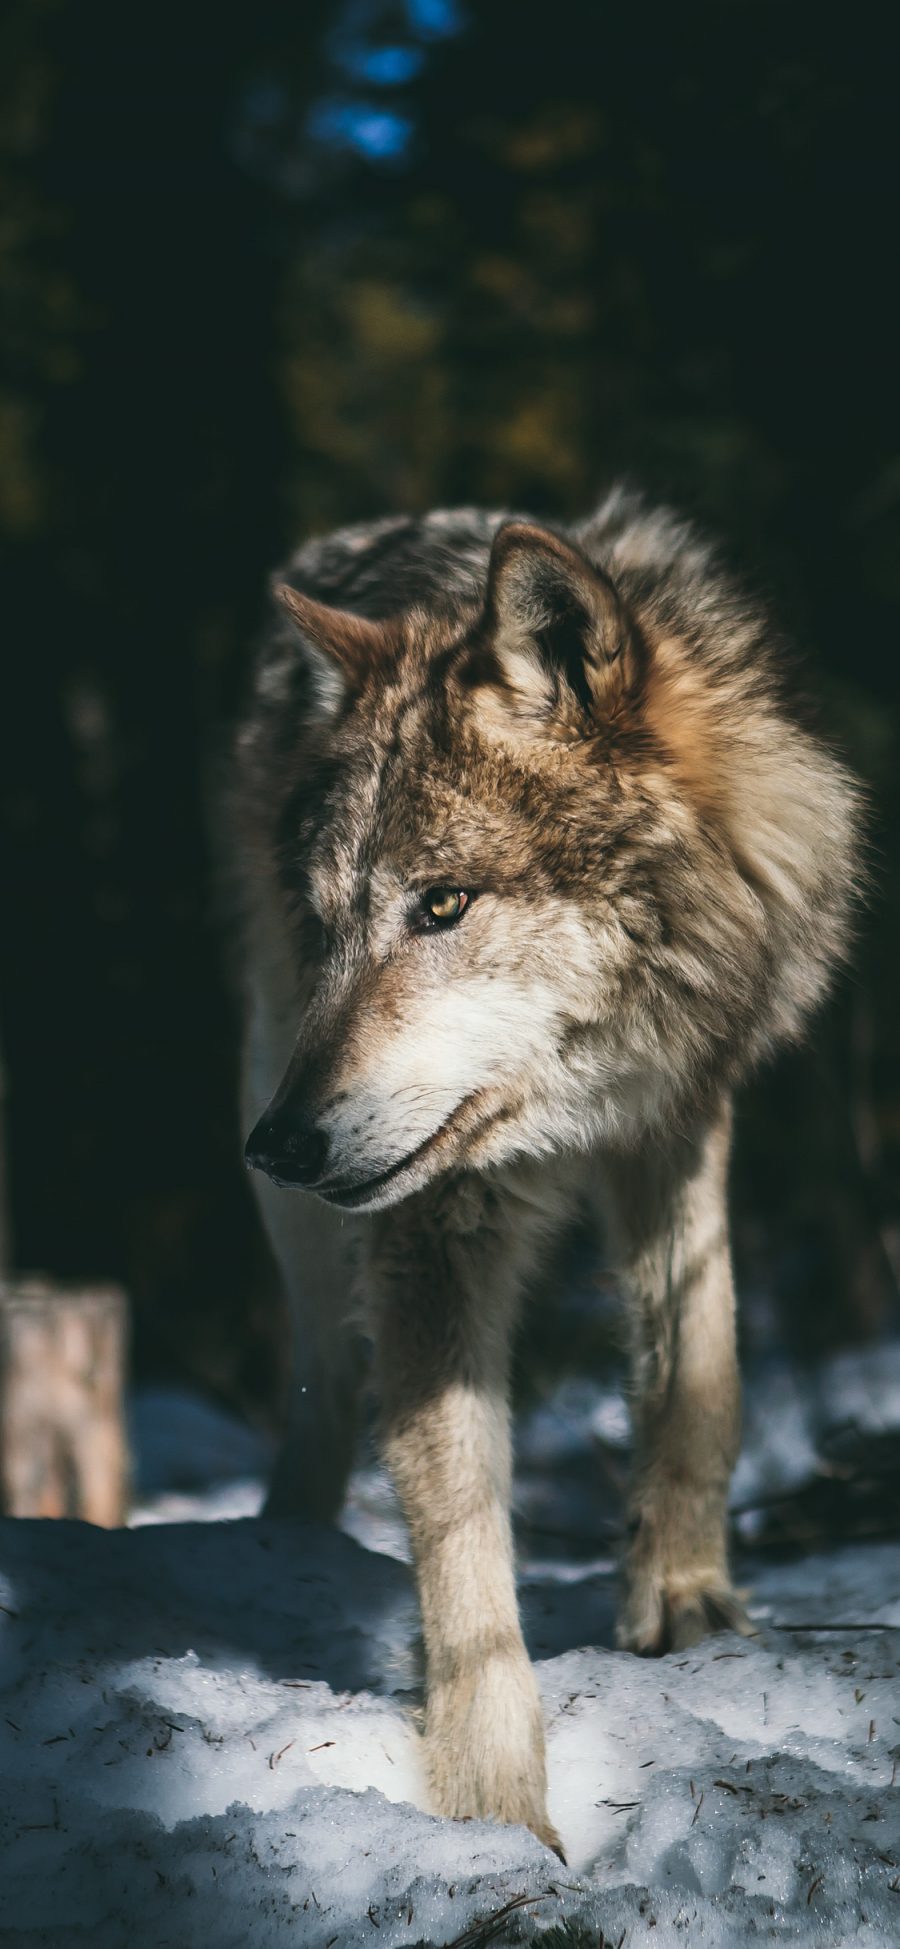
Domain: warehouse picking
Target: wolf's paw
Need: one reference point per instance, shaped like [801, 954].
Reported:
[484, 1749]
[668, 1614]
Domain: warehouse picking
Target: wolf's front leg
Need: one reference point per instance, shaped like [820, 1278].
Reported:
[315, 1253]
[446, 1271]
[670, 1216]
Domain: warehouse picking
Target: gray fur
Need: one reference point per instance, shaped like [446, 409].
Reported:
[588, 731]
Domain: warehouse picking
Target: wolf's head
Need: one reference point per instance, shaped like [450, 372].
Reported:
[531, 854]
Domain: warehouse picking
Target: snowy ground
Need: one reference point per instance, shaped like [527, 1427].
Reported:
[208, 1736]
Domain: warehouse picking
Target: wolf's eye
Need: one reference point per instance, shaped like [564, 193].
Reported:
[443, 905]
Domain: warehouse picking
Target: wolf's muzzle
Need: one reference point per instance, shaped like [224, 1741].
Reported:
[289, 1151]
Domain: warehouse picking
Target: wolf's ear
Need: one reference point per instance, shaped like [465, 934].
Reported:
[557, 625]
[341, 646]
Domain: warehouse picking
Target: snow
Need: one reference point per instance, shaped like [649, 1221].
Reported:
[208, 1726]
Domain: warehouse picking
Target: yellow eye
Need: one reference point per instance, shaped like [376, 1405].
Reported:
[445, 904]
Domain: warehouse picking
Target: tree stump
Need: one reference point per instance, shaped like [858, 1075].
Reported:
[63, 1448]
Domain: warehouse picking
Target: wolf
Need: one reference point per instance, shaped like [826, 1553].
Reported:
[537, 861]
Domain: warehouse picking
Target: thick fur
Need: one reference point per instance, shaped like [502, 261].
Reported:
[588, 732]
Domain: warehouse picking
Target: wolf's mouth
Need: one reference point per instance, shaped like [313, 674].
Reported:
[349, 1194]
[344, 1193]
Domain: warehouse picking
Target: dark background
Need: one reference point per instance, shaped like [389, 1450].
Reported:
[270, 267]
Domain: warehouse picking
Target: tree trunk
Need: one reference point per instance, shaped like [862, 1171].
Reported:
[63, 1449]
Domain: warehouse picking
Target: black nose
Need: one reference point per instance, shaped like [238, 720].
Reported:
[287, 1149]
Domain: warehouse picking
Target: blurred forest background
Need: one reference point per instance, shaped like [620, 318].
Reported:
[267, 268]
